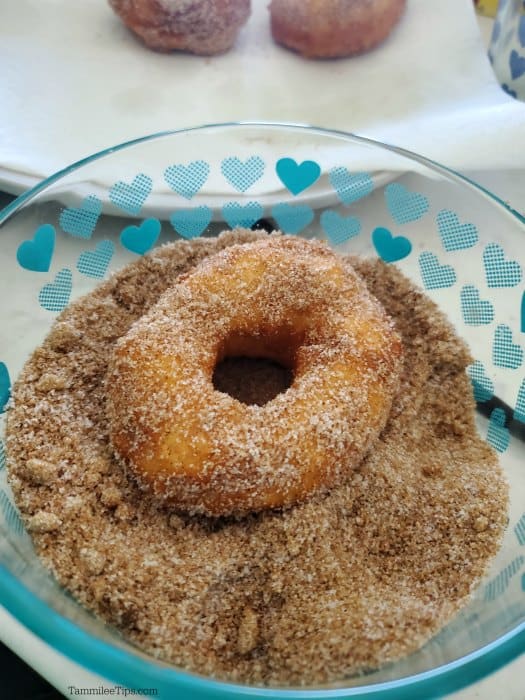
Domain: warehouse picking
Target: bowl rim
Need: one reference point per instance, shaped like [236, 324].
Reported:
[26, 196]
[121, 666]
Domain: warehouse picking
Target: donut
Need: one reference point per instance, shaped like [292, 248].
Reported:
[203, 27]
[333, 28]
[281, 298]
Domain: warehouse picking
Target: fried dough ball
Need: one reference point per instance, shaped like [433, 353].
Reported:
[333, 28]
[203, 27]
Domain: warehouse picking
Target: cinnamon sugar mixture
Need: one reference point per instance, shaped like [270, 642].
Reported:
[344, 582]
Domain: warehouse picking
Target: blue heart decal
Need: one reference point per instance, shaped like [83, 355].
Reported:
[81, 221]
[187, 180]
[497, 434]
[519, 529]
[242, 175]
[499, 271]
[140, 239]
[522, 325]
[351, 187]
[516, 64]
[297, 177]
[36, 254]
[5, 387]
[482, 385]
[404, 205]
[521, 31]
[130, 198]
[292, 219]
[519, 411]
[191, 223]
[94, 263]
[509, 91]
[499, 584]
[55, 295]
[390, 248]
[455, 235]
[435, 275]
[476, 312]
[246, 215]
[339, 229]
[505, 353]
[10, 516]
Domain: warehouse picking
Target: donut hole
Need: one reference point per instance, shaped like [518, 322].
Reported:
[254, 369]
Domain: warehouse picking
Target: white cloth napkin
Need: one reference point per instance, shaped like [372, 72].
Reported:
[74, 81]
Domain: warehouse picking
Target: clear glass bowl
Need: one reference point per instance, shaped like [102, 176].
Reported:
[443, 231]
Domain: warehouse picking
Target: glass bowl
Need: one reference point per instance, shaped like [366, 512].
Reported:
[443, 231]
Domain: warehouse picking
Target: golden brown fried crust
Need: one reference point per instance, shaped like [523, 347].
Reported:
[280, 298]
[203, 27]
[333, 28]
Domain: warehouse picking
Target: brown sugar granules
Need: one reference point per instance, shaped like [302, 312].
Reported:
[344, 582]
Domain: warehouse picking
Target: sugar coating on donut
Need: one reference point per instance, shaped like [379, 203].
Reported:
[203, 27]
[333, 28]
[280, 298]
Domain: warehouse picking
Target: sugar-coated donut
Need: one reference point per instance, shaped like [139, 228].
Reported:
[199, 26]
[281, 298]
[333, 28]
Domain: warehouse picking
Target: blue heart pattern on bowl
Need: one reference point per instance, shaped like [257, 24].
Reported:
[519, 530]
[506, 353]
[500, 583]
[140, 239]
[36, 254]
[54, 296]
[187, 180]
[5, 386]
[11, 517]
[94, 263]
[497, 434]
[455, 235]
[242, 175]
[339, 229]
[516, 65]
[405, 206]
[191, 223]
[476, 311]
[297, 177]
[131, 197]
[80, 222]
[244, 215]
[509, 91]
[434, 274]
[482, 385]
[292, 218]
[390, 248]
[519, 411]
[499, 271]
[351, 187]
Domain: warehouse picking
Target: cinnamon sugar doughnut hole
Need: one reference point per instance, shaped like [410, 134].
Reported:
[203, 27]
[284, 299]
[333, 28]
